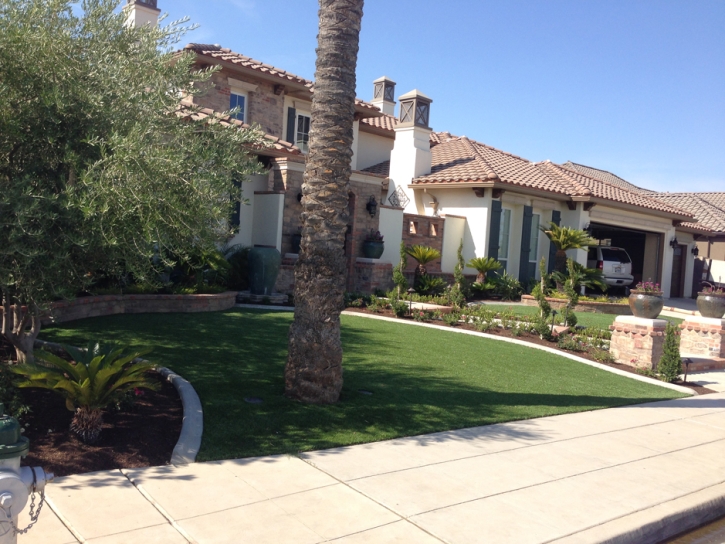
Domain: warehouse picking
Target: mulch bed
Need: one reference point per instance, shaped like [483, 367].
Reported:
[535, 339]
[141, 436]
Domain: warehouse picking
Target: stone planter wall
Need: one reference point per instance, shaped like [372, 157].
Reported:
[583, 306]
[703, 337]
[638, 342]
[368, 275]
[83, 307]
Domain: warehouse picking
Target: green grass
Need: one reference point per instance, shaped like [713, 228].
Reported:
[423, 380]
[586, 319]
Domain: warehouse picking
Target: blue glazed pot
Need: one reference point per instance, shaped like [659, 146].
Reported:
[372, 249]
[263, 269]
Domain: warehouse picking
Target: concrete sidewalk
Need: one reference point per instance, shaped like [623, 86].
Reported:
[571, 478]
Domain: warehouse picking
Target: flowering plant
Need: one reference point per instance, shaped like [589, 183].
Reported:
[712, 290]
[648, 287]
[374, 236]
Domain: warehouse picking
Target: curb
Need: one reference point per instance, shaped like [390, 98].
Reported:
[192, 427]
[606, 368]
[658, 523]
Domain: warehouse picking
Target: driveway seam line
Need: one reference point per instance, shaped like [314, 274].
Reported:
[66, 523]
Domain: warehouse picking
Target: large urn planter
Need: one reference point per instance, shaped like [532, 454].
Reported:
[373, 249]
[264, 265]
[711, 304]
[645, 305]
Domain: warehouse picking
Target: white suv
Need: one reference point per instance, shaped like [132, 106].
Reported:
[615, 264]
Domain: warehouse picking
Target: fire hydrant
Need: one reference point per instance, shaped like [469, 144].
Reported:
[17, 484]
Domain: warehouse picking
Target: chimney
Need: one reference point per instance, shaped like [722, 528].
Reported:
[142, 12]
[383, 93]
[411, 156]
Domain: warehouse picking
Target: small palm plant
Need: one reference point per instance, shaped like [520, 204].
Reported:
[565, 238]
[97, 377]
[581, 276]
[483, 265]
[424, 255]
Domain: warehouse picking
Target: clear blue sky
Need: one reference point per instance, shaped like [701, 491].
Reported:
[636, 87]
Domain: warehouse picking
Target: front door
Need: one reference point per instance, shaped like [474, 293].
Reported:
[679, 260]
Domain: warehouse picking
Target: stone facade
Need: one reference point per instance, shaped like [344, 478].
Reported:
[263, 106]
[703, 337]
[638, 342]
[84, 307]
[372, 275]
[423, 230]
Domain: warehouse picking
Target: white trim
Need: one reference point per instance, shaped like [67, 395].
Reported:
[241, 85]
[600, 366]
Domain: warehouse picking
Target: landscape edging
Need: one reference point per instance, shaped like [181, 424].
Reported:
[192, 426]
[606, 368]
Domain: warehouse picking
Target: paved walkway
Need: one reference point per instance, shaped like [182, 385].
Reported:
[571, 478]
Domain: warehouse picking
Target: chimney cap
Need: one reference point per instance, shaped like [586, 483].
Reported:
[149, 3]
[384, 79]
[415, 93]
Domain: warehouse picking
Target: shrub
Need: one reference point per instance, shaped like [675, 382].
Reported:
[99, 376]
[399, 307]
[430, 285]
[570, 343]
[459, 290]
[401, 284]
[603, 356]
[422, 315]
[375, 305]
[507, 286]
[670, 365]
[543, 329]
[451, 319]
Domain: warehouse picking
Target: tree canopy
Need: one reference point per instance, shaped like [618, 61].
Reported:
[102, 167]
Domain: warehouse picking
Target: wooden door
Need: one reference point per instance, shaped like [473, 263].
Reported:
[679, 260]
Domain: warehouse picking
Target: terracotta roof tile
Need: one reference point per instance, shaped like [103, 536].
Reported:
[603, 175]
[223, 53]
[195, 112]
[701, 205]
[381, 169]
[384, 122]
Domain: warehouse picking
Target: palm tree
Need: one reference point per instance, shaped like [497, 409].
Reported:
[580, 275]
[565, 238]
[483, 265]
[314, 365]
[424, 255]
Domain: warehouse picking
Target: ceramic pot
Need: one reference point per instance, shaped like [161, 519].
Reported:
[372, 249]
[711, 304]
[645, 305]
[263, 269]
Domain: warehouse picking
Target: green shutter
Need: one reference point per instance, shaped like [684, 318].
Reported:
[291, 118]
[234, 220]
[555, 218]
[525, 245]
[494, 228]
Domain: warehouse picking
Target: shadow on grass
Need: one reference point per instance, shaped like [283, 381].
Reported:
[422, 381]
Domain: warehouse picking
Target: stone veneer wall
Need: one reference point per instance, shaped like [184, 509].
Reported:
[637, 342]
[428, 232]
[371, 275]
[83, 307]
[263, 106]
[703, 337]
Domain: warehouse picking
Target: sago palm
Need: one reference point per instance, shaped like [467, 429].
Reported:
[579, 275]
[423, 255]
[483, 265]
[97, 377]
[565, 238]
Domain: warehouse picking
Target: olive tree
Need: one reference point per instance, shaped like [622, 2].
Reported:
[104, 162]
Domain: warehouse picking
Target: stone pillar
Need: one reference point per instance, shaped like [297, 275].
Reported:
[703, 337]
[637, 341]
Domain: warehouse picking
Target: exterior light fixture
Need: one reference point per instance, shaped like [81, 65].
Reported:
[411, 291]
[674, 242]
[695, 251]
[372, 206]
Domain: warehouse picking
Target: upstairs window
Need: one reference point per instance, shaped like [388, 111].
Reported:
[237, 100]
[302, 132]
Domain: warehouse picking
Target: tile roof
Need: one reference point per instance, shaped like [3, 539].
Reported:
[222, 53]
[185, 109]
[459, 160]
[381, 169]
[704, 206]
[384, 122]
[603, 175]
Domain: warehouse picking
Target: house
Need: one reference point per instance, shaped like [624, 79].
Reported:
[433, 188]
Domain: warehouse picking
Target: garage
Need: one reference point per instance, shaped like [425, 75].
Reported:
[643, 247]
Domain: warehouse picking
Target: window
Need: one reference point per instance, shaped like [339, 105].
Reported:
[433, 230]
[237, 100]
[504, 234]
[534, 247]
[302, 132]
[413, 227]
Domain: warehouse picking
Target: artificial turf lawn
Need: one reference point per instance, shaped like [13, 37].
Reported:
[585, 319]
[423, 380]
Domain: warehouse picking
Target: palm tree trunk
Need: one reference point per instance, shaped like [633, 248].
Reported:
[560, 261]
[314, 365]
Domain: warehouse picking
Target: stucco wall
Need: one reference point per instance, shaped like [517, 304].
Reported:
[391, 227]
[372, 149]
[268, 212]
